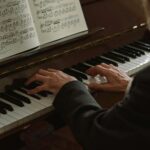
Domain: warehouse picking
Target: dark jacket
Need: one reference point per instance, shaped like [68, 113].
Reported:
[125, 126]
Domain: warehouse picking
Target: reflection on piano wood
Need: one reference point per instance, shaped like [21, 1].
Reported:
[118, 44]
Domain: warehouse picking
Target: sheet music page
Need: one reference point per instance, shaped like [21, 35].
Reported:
[17, 31]
[56, 19]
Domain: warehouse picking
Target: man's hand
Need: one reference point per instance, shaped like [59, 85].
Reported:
[52, 80]
[117, 80]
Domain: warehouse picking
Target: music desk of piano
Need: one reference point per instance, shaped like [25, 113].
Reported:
[117, 35]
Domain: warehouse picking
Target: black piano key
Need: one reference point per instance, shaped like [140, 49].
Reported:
[124, 52]
[141, 46]
[34, 85]
[13, 100]
[25, 92]
[44, 93]
[6, 106]
[82, 67]
[2, 110]
[114, 57]
[128, 52]
[49, 93]
[143, 43]
[19, 96]
[75, 73]
[132, 51]
[69, 72]
[93, 62]
[81, 74]
[30, 86]
[120, 56]
[135, 49]
[105, 60]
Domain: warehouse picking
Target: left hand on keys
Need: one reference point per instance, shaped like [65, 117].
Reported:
[52, 80]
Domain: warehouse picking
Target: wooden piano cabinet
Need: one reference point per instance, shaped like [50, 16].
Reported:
[116, 17]
[122, 22]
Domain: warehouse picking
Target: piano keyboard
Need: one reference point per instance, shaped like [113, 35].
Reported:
[18, 108]
[130, 58]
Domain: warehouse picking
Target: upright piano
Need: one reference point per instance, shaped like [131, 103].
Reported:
[117, 35]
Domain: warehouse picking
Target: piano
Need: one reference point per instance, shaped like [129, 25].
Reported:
[117, 35]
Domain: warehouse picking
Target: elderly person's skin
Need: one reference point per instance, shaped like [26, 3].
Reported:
[117, 80]
[53, 80]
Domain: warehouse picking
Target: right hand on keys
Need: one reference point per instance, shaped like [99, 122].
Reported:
[117, 80]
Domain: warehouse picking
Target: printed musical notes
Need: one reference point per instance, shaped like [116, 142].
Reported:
[25, 24]
[55, 15]
[16, 26]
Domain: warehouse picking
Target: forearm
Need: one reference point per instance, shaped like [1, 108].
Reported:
[79, 109]
[93, 126]
[97, 128]
[73, 97]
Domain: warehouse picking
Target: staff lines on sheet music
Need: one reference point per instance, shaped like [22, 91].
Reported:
[60, 24]
[56, 15]
[9, 25]
[55, 11]
[44, 3]
[16, 24]
[18, 38]
[12, 8]
[84, 46]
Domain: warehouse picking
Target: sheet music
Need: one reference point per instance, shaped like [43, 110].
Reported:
[17, 31]
[56, 19]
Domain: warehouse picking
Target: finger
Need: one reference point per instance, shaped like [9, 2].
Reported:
[97, 70]
[43, 72]
[105, 65]
[92, 71]
[36, 77]
[37, 89]
[114, 67]
[103, 87]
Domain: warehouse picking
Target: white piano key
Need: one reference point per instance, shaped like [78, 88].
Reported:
[1, 125]
[36, 104]
[3, 120]
[8, 118]
[20, 115]
[135, 65]
[45, 101]
[14, 114]
[19, 110]
[7, 122]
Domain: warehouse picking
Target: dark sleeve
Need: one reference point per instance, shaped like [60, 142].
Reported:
[124, 125]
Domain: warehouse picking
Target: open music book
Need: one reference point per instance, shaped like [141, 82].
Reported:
[26, 24]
